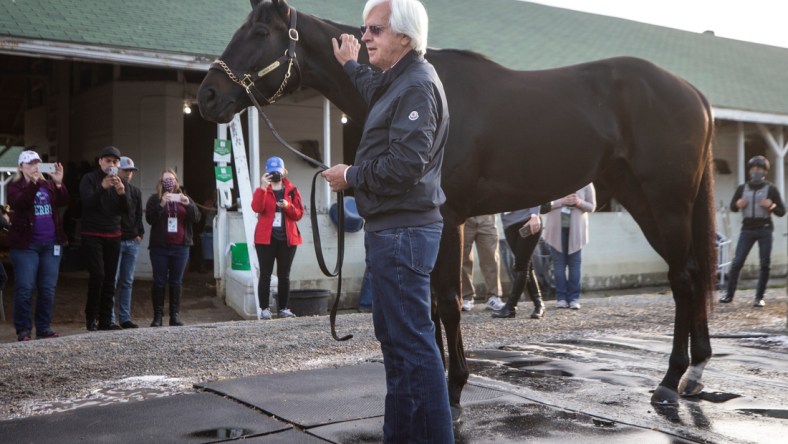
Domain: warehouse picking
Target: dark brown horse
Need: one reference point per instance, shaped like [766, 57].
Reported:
[519, 139]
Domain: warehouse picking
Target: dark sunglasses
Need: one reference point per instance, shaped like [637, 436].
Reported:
[374, 29]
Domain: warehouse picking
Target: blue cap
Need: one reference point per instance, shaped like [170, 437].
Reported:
[275, 164]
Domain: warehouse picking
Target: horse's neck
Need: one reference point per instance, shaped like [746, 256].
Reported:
[322, 71]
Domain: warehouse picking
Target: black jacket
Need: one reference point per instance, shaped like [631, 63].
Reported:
[101, 209]
[157, 216]
[131, 222]
[397, 171]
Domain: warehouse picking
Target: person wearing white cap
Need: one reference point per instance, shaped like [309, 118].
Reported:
[35, 238]
[131, 232]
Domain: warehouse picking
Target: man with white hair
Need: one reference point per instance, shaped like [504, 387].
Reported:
[396, 179]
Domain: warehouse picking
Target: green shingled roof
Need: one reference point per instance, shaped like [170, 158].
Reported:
[521, 35]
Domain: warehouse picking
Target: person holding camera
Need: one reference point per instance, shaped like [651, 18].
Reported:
[104, 201]
[35, 238]
[172, 216]
[522, 230]
[566, 232]
[276, 237]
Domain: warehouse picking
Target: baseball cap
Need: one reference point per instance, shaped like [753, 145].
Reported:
[275, 164]
[28, 156]
[127, 164]
[110, 151]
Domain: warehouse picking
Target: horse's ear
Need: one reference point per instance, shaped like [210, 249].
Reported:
[283, 8]
[255, 3]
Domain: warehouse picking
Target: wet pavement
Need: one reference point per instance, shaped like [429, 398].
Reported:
[584, 389]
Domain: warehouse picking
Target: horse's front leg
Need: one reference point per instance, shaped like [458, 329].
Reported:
[446, 282]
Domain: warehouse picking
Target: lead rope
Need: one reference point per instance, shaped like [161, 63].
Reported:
[313, 217]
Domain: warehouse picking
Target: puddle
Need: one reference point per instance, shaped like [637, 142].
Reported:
[221, 433]
[770, 413]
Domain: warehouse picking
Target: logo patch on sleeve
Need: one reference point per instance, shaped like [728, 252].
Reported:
[413, 115]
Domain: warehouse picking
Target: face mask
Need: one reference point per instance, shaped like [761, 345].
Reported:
[756, 177]
[168, 185]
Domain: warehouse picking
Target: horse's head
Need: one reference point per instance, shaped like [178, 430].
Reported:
[260, 59]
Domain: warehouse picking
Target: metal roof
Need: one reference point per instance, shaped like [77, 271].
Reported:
[747, 78]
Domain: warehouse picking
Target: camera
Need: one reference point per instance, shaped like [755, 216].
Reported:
[276, 176]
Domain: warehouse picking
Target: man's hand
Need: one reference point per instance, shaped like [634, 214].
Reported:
[741, 203]
[119, 187]
[335, 176]
[108, 182]
[346, 49]
[570, 200]
[766, 203]
[535, 222]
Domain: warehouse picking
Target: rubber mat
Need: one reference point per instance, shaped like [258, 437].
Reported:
[200, 417]
[324, 396]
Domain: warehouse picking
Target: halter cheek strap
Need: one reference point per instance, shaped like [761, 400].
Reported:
[247, 81]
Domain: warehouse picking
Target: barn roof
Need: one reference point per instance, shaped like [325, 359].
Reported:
[734, 74]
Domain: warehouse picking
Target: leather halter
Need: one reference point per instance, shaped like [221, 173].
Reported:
[247, 81]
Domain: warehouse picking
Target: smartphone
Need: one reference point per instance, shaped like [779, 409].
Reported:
[113, 171]
[173, 197]
[48, 168]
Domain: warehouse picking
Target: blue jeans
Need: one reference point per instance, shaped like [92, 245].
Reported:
[35, 267]
[417, 402]
[129, 249]
[168, 265]
[365, 294]
[747, 239]
[566, 289]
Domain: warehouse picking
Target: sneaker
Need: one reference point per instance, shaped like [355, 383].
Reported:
[128, 324]
[467, 304]
[726, 299]
[286, 313]
[561, 304]
[23, 335]
[265, 314]
[47, 334]
[494, 303]
[759, 303]
[574, 305]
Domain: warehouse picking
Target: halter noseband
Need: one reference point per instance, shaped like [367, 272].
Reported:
[247, 82]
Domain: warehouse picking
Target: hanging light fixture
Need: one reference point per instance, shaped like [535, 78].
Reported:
[187, 107]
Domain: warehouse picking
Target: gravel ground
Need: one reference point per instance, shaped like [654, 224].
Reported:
[38, 375]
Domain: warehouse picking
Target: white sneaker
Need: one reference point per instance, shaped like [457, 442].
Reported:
[574, 305]
[494, 303]
[759, 303]
[286, 313]
[467, 304]
[265, 314]
[561, 304]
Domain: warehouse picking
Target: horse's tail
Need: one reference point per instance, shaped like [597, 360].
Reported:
[704, 231]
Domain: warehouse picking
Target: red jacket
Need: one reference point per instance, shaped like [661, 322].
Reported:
[264, 204]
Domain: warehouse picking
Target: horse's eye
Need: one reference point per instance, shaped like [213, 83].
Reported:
[261, 31]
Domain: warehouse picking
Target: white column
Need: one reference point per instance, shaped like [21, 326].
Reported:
[221, 234]
[779, 148]
[740, 161]
[254, 145]
[324, 188]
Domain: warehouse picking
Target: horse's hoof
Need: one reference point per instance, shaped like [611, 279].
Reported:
[665, 396]
[691, 388]
[456, 412]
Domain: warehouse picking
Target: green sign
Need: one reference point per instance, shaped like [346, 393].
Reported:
[224, 175]
[221, 147]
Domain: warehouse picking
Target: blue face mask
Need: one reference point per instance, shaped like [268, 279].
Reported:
[756, 177]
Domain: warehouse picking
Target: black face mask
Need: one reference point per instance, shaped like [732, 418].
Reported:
[757, 177]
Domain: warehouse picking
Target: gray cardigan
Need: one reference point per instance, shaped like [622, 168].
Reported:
[578, 222]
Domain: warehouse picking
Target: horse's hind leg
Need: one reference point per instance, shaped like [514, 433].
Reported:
[446, 282]
[672, 237]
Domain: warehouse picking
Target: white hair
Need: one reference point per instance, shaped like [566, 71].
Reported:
[408, 17]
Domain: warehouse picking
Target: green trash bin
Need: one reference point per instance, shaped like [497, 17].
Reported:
[239, 254]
